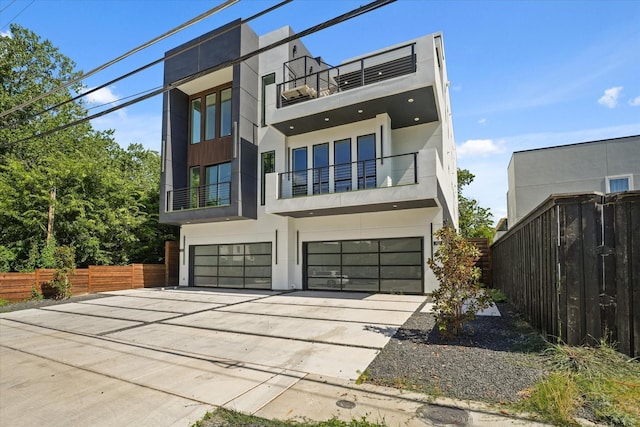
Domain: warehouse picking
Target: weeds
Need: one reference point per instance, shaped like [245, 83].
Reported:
[225, 417]
[602, 380]
[4, 302]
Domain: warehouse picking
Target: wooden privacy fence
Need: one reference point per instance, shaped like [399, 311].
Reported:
[484, 263]
[18, 286]
[572, 267]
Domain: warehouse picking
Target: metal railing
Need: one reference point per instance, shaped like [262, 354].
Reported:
[371, 69]
[202, 196]
[381, 172]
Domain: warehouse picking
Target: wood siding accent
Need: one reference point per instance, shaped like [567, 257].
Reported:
[570, 267]
[210, 153]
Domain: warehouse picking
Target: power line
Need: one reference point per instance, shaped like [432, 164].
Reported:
[326, 24]
[149, 65]
[121, 57]
[18, 14]
[7, 6]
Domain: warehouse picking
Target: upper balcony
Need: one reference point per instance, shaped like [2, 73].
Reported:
[405, 181]
[398, 81]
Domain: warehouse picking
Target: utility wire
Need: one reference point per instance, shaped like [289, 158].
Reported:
[18, 14]
[339, 19]
[149, 65]
[7, 6]
[121, 57]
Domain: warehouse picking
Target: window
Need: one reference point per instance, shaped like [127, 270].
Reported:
[210, 120]
[217, 188]
[367, 161]
[616, 184]
[194, 186]
[225, 112]
[342, 162]
[321, 169]
[195, 120]
[210, 115]
[267, 80]
[300, 172]
[268, 166]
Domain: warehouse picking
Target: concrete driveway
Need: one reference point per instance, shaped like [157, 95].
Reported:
[164, 357]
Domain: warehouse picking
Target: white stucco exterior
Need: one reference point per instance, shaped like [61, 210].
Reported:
[415, 193]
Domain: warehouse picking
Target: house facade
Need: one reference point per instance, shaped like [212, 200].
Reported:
[605, 166]
[285, 172]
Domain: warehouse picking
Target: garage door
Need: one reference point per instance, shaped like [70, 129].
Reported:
[244, 265]
[377, 265]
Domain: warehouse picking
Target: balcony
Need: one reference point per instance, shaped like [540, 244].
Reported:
[306, 85]
[202, 196]
[406, 181]
[362, 175]
[399, 81]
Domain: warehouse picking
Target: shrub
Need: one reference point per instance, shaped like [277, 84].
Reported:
[65, 261]
[454, 267]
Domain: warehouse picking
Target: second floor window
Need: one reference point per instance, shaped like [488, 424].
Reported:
[210, 115]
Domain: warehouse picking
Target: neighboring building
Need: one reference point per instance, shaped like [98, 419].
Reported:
[284, 172]
[607, 166]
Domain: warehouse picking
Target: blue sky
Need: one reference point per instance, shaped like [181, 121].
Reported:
[524, 74]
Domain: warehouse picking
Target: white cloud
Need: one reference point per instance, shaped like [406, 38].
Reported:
[102, 96]
[480, 147]
[610, 97]
[7, 34]
[482, 121]
[137, 127]
[635, 102]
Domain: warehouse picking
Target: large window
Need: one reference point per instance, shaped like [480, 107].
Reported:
[300, 172]
[342, 162]
[267, 80]
[321, 169]
[210, 116]
[367, 161]
[217, 188]
[268, 165]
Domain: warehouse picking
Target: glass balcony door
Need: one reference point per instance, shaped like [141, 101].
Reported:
[342, 168]
[321, 169]
[367, 161]
[300, 172]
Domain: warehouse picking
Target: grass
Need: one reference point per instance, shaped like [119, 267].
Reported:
[598, 380]
[4, 302]
[225, 417]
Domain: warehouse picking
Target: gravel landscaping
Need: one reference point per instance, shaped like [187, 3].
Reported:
[493, 361]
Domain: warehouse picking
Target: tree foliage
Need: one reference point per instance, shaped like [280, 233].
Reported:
[106, 197]
[459, 295]
[474, 220]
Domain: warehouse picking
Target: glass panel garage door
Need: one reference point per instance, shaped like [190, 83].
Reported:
[244, 265]
[379, 265]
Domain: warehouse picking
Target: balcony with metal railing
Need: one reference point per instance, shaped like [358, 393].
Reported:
[403, 181]
[305, 84]
[369, 174]
[199, 197]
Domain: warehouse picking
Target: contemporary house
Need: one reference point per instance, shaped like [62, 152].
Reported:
[285, 172]
[606, 166]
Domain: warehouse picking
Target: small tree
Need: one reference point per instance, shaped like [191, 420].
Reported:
[65, 260]
[454, 267]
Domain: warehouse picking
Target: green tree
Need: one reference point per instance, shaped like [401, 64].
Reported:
[459, 295]
[104, 198]
[473, 220]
